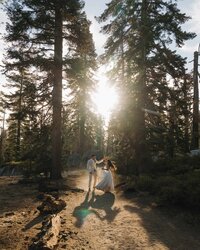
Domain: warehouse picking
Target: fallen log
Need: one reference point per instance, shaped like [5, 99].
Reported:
[48, 237]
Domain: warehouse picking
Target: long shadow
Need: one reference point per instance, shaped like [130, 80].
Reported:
[82, 211]
[13, 196]
[161, 227]
[105, 202]
[33, 222]
[90, 206]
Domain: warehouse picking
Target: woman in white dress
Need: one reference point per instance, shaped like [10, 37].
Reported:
[107, 184]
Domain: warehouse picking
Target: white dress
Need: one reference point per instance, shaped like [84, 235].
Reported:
[106, 184]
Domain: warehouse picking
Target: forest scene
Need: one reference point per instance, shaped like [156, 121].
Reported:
[99, 125]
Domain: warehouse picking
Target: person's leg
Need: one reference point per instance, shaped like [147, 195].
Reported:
[95, 179]
[90, 180]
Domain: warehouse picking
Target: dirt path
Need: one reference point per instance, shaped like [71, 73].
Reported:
[94, 221]
[109, 221]
[17, 209]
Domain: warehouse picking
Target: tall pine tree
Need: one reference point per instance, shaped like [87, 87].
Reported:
[40, 27]
[141, 35]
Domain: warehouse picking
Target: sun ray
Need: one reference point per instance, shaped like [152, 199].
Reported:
[105, 99]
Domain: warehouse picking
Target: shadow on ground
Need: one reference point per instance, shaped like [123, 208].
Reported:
[33, 222]
[15, 196]
[95, 205]
[162, 227]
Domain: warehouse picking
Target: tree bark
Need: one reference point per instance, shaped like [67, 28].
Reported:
[140, 147]
[57, 96]
[186, 118]
[19, 118]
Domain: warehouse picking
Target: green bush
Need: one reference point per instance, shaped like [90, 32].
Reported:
[171, 195]
[173, 182]
[191, 184]
[181, 190]
[176, 165]
[146, 183]
[164, 181]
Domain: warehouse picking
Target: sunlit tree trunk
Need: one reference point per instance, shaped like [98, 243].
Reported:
[82, 124]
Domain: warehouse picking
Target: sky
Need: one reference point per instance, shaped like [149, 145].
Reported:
[95, 8]
[190, 7]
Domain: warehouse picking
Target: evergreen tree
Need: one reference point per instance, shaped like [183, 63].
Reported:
[81, 64]
[145, 30]
[36, 31]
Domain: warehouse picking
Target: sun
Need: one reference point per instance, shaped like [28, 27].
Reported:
[105, 99]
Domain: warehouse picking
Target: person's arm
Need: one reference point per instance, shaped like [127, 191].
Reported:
[114, 167]
[100, 161]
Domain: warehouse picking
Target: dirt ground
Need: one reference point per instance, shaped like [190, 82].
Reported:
[93, 220]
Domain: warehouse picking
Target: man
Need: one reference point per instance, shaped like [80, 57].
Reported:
[92, 169]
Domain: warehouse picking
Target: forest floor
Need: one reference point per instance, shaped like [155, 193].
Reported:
[93, 220]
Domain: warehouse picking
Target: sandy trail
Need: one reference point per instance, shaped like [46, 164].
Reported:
[93, 220]
[110, 221]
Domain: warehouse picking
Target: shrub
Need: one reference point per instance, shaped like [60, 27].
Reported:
[180, 190]
[173, 182]
[146, 183]
[171, 195]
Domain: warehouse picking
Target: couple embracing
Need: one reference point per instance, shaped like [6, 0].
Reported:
[106, 184]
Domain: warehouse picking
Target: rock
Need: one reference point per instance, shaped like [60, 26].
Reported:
[77, 190]
[8, 221]
[63, 221]
[9, 214]
[50, 205]
[40, 196]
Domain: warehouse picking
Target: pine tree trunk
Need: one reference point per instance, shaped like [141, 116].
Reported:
[82, 132]
[19, 117]
[186, 118]
[2, 140]
[186, 134]
[57, 96]
[171, 137]
[140, 147]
